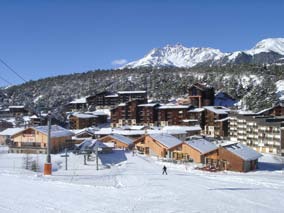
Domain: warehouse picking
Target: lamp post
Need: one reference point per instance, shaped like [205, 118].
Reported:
[48, 165]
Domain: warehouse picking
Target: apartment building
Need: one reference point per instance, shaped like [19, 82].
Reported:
[216, 121]
[263, 134]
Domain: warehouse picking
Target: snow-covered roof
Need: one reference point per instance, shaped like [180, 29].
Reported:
[245, 112]
[189, 120]
[122, 138]
[166, 139]
[147, 105]
[122, 104]
[26, 118]
[217, 109]
[131, 92]
[202, 145]
[56, 131]
[111, 96]
[172, 106]
[175, 130]
[16, 107]
[242, 151]
[264, 110]
[91, 144]
[11, 131]
[181, 128]
[197, 110]
[4, 110]
[224, 119]
[79, 101]
[34, 117]
[87, 144]
[83, 115]
[140, 127]
[97, 113]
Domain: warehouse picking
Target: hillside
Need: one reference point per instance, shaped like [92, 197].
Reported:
[254, 84]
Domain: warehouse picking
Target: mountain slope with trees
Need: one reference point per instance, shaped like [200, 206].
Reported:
[253, 84]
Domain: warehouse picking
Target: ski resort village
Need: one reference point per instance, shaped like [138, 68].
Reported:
[118, 151]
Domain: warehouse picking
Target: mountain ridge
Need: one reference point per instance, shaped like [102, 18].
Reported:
[266, 51]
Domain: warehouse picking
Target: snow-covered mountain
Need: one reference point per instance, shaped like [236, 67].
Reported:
[267, 51]
[177, 56]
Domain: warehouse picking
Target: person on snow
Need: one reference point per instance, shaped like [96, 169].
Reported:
[165, 170]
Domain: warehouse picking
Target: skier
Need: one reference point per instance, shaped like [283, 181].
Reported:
[165, 170]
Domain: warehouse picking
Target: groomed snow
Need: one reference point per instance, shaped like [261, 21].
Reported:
[135, 184]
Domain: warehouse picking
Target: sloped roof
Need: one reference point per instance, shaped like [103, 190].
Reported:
[131, 92]
[84, 115]
[16, 107]
[242, 151]
[79, 101]
[196, 110]
[56, 131]
[172, 106]
[217, 109]
[148, 105]
[91, 144]
[166, 139]
[11, 131]
[176, 130]
[202, 145]
[122, 138]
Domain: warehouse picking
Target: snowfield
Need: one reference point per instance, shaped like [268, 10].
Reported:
[127, 183]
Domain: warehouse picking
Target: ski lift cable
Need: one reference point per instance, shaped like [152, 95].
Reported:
[11, 69]
[3, 79]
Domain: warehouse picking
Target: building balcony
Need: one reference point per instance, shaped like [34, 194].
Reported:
[30, 145]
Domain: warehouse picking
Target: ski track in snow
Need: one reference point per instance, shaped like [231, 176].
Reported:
[137, 185]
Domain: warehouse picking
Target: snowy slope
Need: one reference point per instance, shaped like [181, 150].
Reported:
[181, 56]
[268, 45]
[135, 184]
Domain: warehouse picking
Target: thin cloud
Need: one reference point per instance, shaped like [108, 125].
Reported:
[119, 62]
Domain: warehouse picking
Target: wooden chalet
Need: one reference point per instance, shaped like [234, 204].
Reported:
[77, 105]
[83, 134]
[198, 150]
[18, 110]
[5, 135]
[160, 145]
[81, 120]
[237, 157]
[120, 141]
[34, 139]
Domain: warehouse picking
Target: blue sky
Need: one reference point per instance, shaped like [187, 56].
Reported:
[54, 37]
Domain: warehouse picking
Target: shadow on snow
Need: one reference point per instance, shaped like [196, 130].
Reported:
[117, 156]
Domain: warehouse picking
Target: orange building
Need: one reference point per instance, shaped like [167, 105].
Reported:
[237, 157]
[199, 149]
[34, 139]
[120, 141]
[161, 145]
